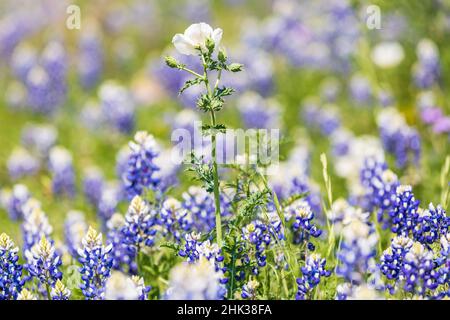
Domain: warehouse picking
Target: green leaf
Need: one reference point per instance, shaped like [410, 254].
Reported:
[190, 83]
[235, 67]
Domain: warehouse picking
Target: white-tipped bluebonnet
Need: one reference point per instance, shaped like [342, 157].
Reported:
[142, 289]
[342, 212]
[39, 138]
[404, 211]
[174, 220]
[11, 280]
[21, 163]
[418, 270]
[96, 263]
[14, 201]
[195, 281]
[398, 138]
[75, 227]
[140, 225]
[43, 263]
[93, 182]
[427, 70]
[301, 216]
[140, 172]
[380, 186]
[124, 259]
[312, 272]
[60, 291]
[117, 106]
[35, 226]
[258, 236]
[90, 63]
[25, 294]
[391, 261]
[63, 175]
[358, 248]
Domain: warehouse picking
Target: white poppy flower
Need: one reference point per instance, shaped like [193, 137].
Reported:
[195, 36]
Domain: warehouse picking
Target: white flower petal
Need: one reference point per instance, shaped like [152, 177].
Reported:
[217, 36]
[183, 44]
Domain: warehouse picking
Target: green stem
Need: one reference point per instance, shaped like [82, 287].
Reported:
[213, 155]
[47, 287]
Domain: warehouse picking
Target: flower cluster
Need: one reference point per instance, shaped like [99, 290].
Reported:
[43, 263]
[61, 167]
[96, 263]
[141, 168]
[15, 200]
[303, 225]
[398, 138]
[11, 279]
[174, 220]
[312, 272]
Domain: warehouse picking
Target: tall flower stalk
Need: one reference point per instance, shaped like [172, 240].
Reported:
[201, 40]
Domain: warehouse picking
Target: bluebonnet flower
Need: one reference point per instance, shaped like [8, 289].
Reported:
[141, 167]
[391, 261]
[201, 205]
[35, 226]
[427, 70]
[11, 280]
[174, 220]
[258, 236]
[93, 185]
[430, 224]
[168, 170]
[15, 200]
[418, 271]
[325, 118]
[380, 185]
[96, 263]
[312, 272]
[39, 138]
[38, 86]
[43, 263]
[404, 211]
[46, 82]
[23, 59]
[249, 290]
[117, 106]
[60, 291]
[124, 259]
[90, 64]
[75, 228]
[356, 252]
[398, 138]
[194, 249]
[342, 212]
[195, 281]
[21, 164]
[258, 113]
[140, 225]
[303, 226]
[107, 205]
[63, 175]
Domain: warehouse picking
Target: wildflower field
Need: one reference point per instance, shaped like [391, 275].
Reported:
[224, 149]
